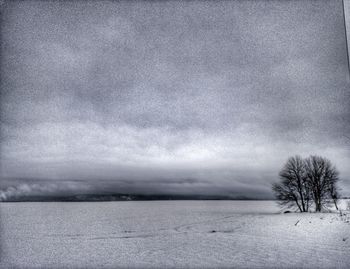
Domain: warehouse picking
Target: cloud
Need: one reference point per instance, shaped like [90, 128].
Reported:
[40, 189]
[221, 93]
[95, 153]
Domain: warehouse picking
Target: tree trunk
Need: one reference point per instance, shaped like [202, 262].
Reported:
[296, 201]
[318, 205]
[335, 203]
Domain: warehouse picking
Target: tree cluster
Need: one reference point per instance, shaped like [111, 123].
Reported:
[307, 183]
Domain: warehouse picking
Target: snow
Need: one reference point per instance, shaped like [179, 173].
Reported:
[170, 234]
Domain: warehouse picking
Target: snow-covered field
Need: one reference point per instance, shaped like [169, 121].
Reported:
[170, 234]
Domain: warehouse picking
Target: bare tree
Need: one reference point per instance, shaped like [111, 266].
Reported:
[293, 189]
[322, 178]
[307, 181]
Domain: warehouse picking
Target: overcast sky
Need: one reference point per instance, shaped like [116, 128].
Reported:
[207, 97]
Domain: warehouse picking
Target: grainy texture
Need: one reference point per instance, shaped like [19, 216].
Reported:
[170, 234]
[145, 95]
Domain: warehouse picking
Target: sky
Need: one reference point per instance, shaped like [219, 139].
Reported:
[184, 97]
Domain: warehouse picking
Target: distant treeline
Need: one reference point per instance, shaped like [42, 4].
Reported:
[121, 197]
